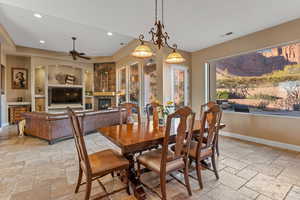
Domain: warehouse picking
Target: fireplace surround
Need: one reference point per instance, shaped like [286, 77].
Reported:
[104, 103]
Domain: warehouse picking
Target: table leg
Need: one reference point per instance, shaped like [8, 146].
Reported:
[135, 183]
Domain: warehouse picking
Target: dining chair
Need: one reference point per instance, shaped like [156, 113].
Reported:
[207, 106]
[130, 109]
[152, 109]
[164, 161]
[96, 165]
[200, 150]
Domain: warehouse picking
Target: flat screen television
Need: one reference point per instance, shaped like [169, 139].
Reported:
[57, 95]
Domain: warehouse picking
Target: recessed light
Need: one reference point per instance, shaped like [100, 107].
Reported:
[42, 41]
[109, 33]
[37, 15]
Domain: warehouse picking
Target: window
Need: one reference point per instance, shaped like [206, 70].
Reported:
[179, 85]
[266, 81]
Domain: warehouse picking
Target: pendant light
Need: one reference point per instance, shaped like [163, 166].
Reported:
[160, 39]
[142, 51]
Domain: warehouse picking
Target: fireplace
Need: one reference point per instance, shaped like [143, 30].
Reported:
[104, 103]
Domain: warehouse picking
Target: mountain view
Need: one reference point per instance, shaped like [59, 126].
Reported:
[264, 81]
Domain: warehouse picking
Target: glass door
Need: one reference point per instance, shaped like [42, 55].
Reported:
[134, 84]
[150, 83]
[179, 85]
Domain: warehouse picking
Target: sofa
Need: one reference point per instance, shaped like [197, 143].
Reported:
[57, 127]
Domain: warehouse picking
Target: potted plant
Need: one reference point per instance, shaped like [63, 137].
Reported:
[164, 111]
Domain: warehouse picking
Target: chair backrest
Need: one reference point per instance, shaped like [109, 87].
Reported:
[206, 106]
[209, 105]
[79, 141]
[152, 109]
[186, 118]
[210, 120]
[130, 109]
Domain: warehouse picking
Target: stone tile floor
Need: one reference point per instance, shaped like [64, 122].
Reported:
[31, 169]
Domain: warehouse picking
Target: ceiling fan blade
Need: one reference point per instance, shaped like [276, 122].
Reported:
[84, 57]
[81, 54]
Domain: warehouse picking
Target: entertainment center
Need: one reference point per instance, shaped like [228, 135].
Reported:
[52, 84]
[88, 89]
[58, 86]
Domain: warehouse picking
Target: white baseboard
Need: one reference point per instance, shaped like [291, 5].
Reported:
[3, 125]
[262, 141]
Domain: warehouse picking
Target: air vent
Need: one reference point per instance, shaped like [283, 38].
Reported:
[227, 34]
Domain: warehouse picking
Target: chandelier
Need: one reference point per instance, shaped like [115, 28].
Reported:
[160, 38]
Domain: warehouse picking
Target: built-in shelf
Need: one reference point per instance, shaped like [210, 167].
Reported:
[18, 103]
[63, 106]
[39, 96]
[65, 86]
[54, 76]
[105, 93]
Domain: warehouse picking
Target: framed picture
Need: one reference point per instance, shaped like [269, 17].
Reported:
[19, 78]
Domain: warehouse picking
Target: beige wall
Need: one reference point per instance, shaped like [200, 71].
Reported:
[23, 57]
[276, 128]
[3, 97]
[281, 129]
[17, 62]
[6, 44]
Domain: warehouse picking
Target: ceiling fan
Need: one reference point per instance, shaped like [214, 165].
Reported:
[76, 54]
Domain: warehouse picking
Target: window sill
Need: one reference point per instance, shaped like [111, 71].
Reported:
[262, 114]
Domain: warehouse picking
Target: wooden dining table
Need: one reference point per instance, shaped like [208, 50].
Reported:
[135, 138]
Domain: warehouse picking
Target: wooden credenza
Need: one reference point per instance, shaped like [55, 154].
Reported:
[16, 111]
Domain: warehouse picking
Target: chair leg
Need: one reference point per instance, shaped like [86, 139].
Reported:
[186, 179]
[163, 186]
[213, 160]
[198, 169]
[128, 182]
[138, 171]
[190, 163]
[217, 145]
[78, 180]
[88, 188]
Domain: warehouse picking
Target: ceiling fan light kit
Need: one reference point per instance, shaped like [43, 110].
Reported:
[160, 39]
